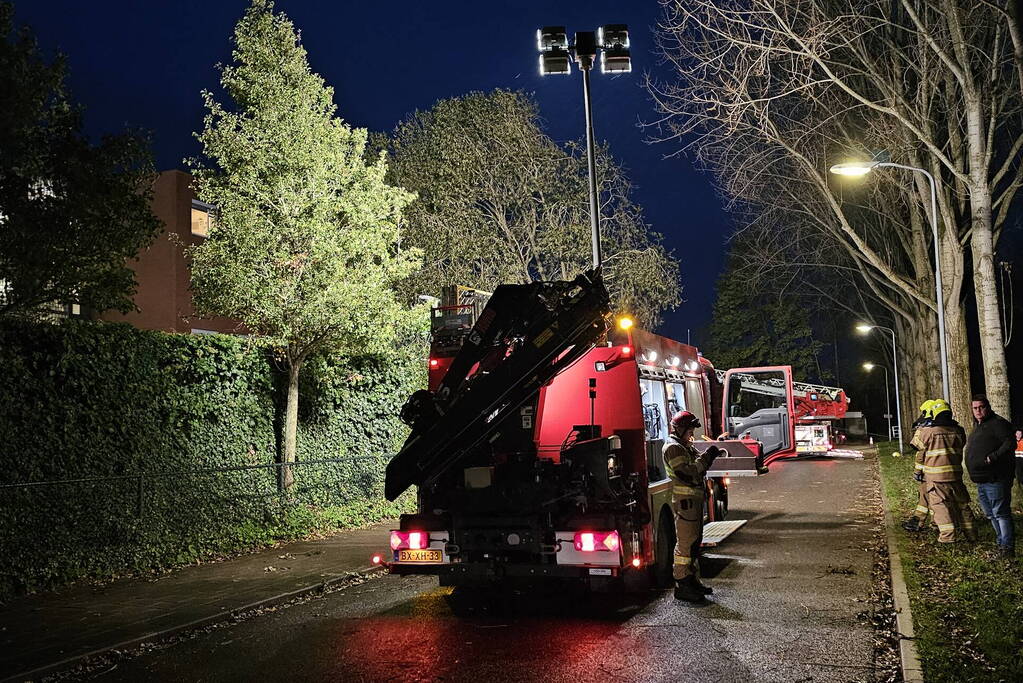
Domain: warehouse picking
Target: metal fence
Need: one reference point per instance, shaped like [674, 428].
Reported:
[142, 482]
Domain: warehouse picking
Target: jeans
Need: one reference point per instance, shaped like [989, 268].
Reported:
[994, 499]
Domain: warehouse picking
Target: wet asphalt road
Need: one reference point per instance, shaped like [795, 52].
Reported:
[789, 587]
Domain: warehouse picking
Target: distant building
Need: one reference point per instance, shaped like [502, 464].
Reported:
[164, 297]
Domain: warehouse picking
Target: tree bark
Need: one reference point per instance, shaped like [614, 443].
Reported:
[287, 478]
[992, 349]
[996, 381]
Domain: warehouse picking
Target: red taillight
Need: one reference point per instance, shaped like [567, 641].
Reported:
[434, 362]
[376, 559]
[413, 540]
[593, 541]
[637, 562]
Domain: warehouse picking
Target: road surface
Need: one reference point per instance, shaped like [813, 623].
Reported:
[791, 591]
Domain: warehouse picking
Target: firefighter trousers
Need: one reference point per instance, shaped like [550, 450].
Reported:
[950, 503]
[688, 535]
[922, 510]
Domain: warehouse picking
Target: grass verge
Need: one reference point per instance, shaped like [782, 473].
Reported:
[967, 604]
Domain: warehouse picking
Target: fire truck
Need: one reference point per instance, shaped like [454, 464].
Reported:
[536, 448]
[761, 393]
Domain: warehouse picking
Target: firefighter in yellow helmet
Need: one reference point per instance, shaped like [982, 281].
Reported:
[942, 471]
[686, 467]
[918, 521]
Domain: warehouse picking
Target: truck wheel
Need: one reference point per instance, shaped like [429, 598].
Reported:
[664, 552]
[720, 503]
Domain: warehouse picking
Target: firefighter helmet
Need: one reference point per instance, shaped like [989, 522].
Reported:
[939, 406]
[926, 407]
[683, 420]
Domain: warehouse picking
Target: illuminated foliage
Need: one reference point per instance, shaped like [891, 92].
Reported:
[500, 201]
[304, 247]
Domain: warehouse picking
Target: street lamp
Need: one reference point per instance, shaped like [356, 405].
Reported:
[612, 42]
[887, 400]
[860, 168]
[864, 328]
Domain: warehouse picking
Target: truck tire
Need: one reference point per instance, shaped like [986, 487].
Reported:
[664, 551]
[720, 502]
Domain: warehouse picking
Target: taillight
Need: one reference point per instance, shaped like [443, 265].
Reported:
[637, 562]
[434, 362]
[376, 559]
[594, 541]
[412, 540]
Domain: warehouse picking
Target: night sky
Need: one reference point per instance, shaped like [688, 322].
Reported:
[142, 64]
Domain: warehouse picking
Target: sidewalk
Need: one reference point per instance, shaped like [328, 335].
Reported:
[51, 630]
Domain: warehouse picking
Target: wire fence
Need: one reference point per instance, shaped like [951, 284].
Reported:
[142, 482]
[59, 529]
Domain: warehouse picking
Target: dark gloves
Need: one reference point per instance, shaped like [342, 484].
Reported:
[918, 475]
[712, 453]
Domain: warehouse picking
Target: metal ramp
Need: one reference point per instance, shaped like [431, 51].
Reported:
[845, 453]
[716, 532]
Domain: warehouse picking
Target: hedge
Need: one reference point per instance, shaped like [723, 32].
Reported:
[140, 419]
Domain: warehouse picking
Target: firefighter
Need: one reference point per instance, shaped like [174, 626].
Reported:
[918, 522]
[942, 472]
[686, 467]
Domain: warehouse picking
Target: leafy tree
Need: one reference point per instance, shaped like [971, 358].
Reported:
[500, 201]
[752, 327]
[71, 213]
[303, 251]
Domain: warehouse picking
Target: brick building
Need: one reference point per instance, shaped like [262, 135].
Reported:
[164, 297]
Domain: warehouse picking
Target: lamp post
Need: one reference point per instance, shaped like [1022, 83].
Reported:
[887, 400]
[612, 42]
[864, 328]
[863, 168]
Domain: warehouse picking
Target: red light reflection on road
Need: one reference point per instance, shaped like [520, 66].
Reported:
[429, 643]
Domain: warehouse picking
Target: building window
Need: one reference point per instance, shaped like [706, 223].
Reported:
[201, 218]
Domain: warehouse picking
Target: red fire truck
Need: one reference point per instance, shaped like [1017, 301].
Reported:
[536, 449]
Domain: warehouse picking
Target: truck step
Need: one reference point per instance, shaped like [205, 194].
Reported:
[716, 532]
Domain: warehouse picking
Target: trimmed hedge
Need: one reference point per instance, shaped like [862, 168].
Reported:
[144, 416]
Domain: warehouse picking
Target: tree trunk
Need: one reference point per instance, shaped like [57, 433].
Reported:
[287, 479]
[996, 378]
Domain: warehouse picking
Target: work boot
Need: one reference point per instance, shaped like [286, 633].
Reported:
[700, 586]
[912, 524]
[1006, 552]
[687, 590]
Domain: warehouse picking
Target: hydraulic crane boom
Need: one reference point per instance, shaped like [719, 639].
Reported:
[524, 336]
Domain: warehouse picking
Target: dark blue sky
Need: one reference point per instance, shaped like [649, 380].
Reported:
[143, 64]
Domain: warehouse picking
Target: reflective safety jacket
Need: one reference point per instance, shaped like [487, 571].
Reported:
[686, 467]
[941, 453]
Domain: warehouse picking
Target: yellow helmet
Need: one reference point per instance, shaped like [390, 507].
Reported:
[926, 407]
[939, 405]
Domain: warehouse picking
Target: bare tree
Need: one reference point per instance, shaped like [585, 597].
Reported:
[785, 88]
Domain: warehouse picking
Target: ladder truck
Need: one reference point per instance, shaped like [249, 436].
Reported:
[804, 427]
[535, 451]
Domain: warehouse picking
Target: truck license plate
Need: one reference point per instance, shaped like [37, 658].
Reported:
[420, 556]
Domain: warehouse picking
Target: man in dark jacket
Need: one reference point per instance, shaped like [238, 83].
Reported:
[990, 461]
